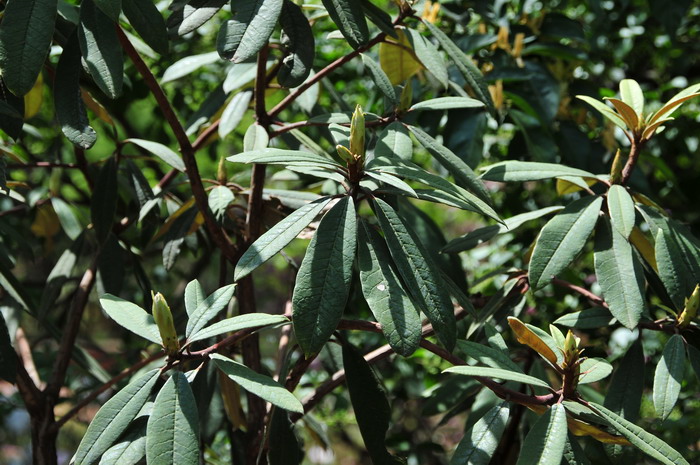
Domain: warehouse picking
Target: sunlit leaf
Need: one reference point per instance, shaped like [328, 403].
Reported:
[253, 22]
[544, 444]
[132, 317]
[668, 376]
[497, 373]
[480, 441]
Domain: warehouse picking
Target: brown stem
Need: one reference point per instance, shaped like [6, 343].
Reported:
[200, 196]
[635, 149]
[596, 300]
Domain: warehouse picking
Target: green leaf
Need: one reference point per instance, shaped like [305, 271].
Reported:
[130, 450]
[393, 181]
[187, 65]
[131, 317]
[25, 40]
[113, 418]
[237, 323]
[209, 308]
[394, 141]
[103, 205]
[220, 198]
[604, 110]
[298, 39]
[429, 56]
[590, 318]
[621, 209]
[388, 301]
[68, 101]
[463, 174]
[668, 376]
[624, 395]
[488, 356]
[619, 274]
[632, 95]
[594, 369]
[241, 38]
[512, 170]
[379, 17]
[162, 152]
[285, 447]
[277, 237]
[194, 295]
[694, 356]
[284, 157]
[573, 453]
[465, 66]
[323, 282]
[111, 8]
[234, 112]
[380, 79]
[372, 410]
[447, 103]
[640, 438]
[148, 22]
[255, 138]
[60, 273]
[8, 356]
[187, 17]
[562, 238]
[545, 442]
[172, 432]
[420, 274]
[350, 19]
[481, 440]
[101, 49]
[69, 222]
[498, 373]
[262, 386]
[670, 106]
[476, 237]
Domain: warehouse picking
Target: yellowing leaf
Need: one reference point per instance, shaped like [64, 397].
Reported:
[231, 395]
[581, 428]
[171, 219]
[46, 222]
[198, 221]
[398, 60]
[33, 99]
[644, 247]
[430, 11]
[526, 336]
[96, 107]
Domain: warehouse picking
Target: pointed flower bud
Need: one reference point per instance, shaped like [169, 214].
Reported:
[164, 320]
[616, 169]
[357, 134]
[690, 311]
[345, 153]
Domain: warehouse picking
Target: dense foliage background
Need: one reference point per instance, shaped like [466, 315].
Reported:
[79, 220]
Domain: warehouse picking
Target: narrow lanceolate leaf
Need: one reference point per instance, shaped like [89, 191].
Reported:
[676, 276]
[621, 209]
[350, 19]
[148, 22]
[113, 418]
[70, 109]
[209, 308]
[668, 376]
[386, 298]
[619, 274]
[594, 369]
[283, 157]
[262, 386]
[447, 103]
[497, 373]
[394, 141]
[188, 65]
[527, 336]
[161, 151]
[323, 282]
[130, 450]
[25, 40]
[380, 79]
[189, 16]
[392, 181]
[194, 295]
[465, 66]
[595, 317]
[674, 102]
[253, 22]
[419, 272]
[103, 205]
[640, 438]
[488, 355]
[604, 110]
[237, 323]
[624, 395]
[298, 40]
[429, 56]
[480, 441]
[632, 95]
[277, 237]
[8, 356]
[234, 112]
[562, 238]
[545, 442]
[372, 410]
[514, 171]
[463, 174]
[101, 49]
[172, 432]
[132, 317]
